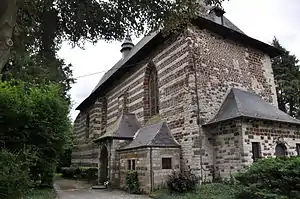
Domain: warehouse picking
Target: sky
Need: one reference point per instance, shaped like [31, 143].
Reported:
[260, 19]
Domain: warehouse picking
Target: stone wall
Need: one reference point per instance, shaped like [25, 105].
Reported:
[267, 134]
[228, 148]
[143, 162]
[142, 157]
[220, 64]
[160, 175]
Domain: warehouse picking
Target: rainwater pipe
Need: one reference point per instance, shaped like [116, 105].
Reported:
[198, 116]
[151, 171]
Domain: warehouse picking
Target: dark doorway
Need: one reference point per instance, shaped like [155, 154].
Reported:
[280, 150]
[103, 165]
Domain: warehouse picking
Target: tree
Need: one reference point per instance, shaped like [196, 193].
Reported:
[39, 26]
[287, 78]
[35, 116]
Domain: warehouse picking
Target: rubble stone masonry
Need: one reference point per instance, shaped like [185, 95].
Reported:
[220, 64]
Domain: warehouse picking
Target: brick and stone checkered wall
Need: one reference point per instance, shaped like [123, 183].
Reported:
[220, 64]
[267, 134]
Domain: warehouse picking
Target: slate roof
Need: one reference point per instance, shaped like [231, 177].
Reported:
[147, 44]
[240, 103]
[121, 62]
[146, 39]
[156, 135]
[124, 128]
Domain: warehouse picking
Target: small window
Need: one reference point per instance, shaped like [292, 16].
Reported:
[166, 163]
[130, 164]
[298, 149]
[87, 125]
[255, 151]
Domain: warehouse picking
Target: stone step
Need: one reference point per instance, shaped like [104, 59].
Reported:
[98, 187]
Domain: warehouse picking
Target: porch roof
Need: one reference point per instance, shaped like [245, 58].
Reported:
[155, 135]
[240, 103]
[124, 128]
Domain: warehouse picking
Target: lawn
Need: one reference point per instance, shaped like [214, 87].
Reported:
[41, 194]
[206, 191]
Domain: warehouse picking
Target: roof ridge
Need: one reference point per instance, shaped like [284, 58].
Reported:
[237, 101]
[160, 124]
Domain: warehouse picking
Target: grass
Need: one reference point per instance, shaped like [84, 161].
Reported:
[41, 194]
[206, 191]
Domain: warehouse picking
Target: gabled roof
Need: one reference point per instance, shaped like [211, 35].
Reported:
[239, 103]
[124, 128]
[155, 135]
[149, 42]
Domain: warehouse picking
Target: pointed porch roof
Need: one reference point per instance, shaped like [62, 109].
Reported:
[155, 135]
[124, 128]
[240, 103]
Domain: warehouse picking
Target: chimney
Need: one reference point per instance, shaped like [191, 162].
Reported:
[126, 46]
[219, 14]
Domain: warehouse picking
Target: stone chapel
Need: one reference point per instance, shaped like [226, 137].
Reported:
[203, 100]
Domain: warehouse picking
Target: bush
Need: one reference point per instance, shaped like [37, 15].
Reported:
[36, 116]
[70, 172]
[181, 182]
[132, 182]
[14, 174]
[271, 178]
[86, 173]
[89, 173]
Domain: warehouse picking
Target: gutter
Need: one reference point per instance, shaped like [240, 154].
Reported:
[151, 172]
[198, 113]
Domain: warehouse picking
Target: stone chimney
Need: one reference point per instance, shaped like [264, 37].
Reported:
[126, 46]
[218, 14]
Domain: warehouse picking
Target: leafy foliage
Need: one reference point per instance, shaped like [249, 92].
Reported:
[271, 178]
[41, 27]
[35, 116]
[132, 182]
[86, 173]
[204, 191]
[14, 173]
[182, 182]
[41, 194]
[287, 77]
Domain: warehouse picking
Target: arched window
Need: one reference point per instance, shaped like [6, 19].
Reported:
[151, 96]
[280, 150]
[153, 93]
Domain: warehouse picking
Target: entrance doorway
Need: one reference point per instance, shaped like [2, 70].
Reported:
[280, 150]
[103, 165]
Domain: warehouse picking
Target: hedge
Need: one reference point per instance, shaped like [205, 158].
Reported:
[86, 173]
[271, 178]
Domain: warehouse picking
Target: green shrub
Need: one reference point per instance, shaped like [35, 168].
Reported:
[70, 172]
[86, 173]
[271, 178]
[132, 182]
[181, 182]
[36, 116]
[14, 174]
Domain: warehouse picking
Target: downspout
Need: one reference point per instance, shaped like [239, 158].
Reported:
[151, 171]
[198, 117]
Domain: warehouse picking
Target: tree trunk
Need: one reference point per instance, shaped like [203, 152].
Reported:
[8, 15]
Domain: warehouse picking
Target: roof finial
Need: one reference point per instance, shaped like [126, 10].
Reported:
[127, 45]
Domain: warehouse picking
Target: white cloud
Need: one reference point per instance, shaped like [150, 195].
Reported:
[260, 19]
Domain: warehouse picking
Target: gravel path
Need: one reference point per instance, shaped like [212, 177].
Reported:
[72, 189]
